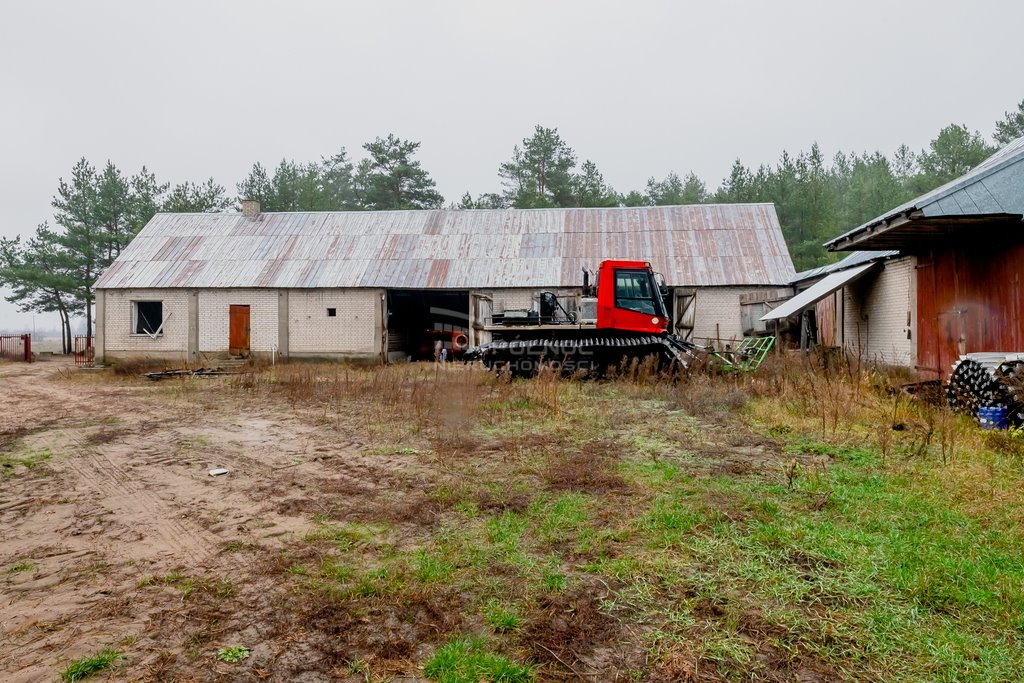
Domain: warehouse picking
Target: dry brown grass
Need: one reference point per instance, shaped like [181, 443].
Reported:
[571, 635]
[627, 523]
[590, 469]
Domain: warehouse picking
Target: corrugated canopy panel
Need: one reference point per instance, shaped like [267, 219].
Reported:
[695, 245]
[817, 292]
[854, 259]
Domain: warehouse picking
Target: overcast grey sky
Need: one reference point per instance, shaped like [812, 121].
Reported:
[199, 89]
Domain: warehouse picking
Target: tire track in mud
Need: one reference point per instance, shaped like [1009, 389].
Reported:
[136, 502]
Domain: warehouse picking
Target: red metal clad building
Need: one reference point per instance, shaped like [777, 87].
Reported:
[968, 240]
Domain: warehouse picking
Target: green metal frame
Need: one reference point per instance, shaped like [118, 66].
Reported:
[747, 356]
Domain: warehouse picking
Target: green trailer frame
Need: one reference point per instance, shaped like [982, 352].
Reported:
[747, 356]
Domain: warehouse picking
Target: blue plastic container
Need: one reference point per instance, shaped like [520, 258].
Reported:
[992, 418]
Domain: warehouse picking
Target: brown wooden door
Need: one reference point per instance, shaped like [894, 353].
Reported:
[238, 334]
[684, 312]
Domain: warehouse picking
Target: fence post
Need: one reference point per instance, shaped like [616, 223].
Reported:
[28, 347]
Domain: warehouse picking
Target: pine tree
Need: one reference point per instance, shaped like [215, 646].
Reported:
[540, 173]
[666, 192]
[257, 186]
[189, 197]
[589, 188]
[40, 278]
[1011, 127]
[84, 241]
[953, 152]
[390, 178]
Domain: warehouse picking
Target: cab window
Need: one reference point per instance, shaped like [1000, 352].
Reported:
[633, 291]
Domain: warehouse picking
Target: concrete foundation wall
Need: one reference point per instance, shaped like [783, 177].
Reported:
[354, 329]
[879, 314]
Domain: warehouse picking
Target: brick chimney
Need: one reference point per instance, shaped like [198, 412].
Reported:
[250, 208]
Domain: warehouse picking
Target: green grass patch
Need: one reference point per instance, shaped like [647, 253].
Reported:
[173, 577]
[852, 455]
[909, 585]
[233, 654]
[344, 537]
[562, 519]
[379, 582]
[431, 568]
[10, 462]
[332, 568]
[501, 617]
[653, 473]
[467, 661]
[19, 567]
[87, 666]
[553, 581]
[505, 532]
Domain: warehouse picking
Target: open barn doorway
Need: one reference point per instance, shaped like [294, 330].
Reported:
[422, 322]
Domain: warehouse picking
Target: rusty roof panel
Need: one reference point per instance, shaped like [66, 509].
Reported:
[696, 245]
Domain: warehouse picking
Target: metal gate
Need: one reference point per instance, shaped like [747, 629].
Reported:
[16, 347]
[85, 352]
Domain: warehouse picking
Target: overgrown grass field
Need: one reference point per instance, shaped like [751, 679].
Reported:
[804, 523]
[810, 522]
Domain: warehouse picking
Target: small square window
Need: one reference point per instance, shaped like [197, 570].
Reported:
[332, 312]
[147, 317]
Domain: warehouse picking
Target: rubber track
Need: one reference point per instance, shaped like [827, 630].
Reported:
[514, 352]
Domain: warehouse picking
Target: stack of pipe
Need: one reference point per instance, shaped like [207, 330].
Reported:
[988, 380]
[1011, 373]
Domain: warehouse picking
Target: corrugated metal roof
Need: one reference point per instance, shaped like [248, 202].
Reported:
[694, 245]
[817, 292]
[995, 186]
[854, 259]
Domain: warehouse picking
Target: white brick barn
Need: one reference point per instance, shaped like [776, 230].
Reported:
[864, 304]
[385, 285]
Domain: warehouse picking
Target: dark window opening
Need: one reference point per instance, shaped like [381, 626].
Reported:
[149, 316]
[635, 291]
[332, 312]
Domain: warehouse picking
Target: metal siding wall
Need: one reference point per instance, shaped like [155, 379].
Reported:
[969, 300]
[825, 313]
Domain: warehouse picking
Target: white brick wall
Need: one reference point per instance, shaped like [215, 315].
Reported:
[117, 321]
[717, 318]
[353, 330]
[505, 299]
[214, 311]
[876, 312]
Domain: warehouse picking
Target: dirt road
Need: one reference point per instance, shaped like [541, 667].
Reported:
[106, 490]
